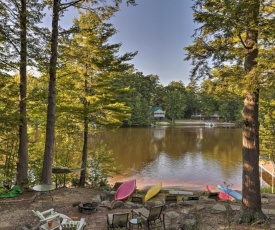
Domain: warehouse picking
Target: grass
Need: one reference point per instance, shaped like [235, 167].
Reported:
[267, 189]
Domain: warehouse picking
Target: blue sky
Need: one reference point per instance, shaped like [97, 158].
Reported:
[158, 30]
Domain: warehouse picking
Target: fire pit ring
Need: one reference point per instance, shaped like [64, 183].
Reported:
[87, 208]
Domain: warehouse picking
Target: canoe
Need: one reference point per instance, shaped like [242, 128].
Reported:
[153, 191]
[221, 195]
[231, 192]
[125, 190]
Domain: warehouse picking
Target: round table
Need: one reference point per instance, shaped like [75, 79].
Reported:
[44, 189]
[135, 221]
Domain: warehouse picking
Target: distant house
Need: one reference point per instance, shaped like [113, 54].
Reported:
[213, 117]
[158, 112]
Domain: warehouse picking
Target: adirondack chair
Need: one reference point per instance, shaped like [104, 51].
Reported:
[73, 225]
[50, 215]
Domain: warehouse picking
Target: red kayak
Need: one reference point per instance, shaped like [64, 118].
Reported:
[222, 195]
[125, 190]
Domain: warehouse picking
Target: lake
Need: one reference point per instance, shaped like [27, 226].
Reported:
[188, 157]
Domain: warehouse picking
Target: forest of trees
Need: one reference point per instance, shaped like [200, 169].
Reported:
[60, 87]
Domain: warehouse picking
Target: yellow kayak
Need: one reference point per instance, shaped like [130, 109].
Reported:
[153, 191]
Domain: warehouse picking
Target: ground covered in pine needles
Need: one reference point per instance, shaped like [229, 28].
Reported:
[16, 213]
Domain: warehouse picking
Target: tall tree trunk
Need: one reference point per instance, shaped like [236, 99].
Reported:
[50, 127]
[84, 153]
[251, 203]
[22, 164]
[85, 136]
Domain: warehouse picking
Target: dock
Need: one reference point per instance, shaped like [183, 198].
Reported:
[267, 167]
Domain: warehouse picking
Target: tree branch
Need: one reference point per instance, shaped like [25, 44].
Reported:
[69, 4]
[244, 45]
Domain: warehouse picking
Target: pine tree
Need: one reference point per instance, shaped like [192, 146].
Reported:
[58, 8]
[92, 66]
[233, 33]
[18, 31]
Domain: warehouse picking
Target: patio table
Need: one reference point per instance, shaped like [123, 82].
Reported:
[44, 189]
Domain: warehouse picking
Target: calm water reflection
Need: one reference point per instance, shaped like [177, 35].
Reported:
[187, 157]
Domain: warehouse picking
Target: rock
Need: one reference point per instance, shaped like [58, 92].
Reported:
[235, 207]
[189, 224]
[172, 214]
[119, 204]
[97, 199]
[268, 211]
[105, 203]
[180, 203]
[264, 201]
[199, 207]
[271, 195]
[208, 200]
[186, 210]
[158, 203]
[219, 207]
[190, 202]
[172, 205]
[76, 203]
[149, 204]
[174, 192]
[133, 205]
[264, 195]
[105, 195]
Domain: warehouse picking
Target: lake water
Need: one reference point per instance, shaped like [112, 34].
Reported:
[188, 157]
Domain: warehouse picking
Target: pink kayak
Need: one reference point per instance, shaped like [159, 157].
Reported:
[125, 190]
[222, 195]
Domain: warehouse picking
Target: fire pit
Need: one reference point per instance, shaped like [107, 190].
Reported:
[87, 208]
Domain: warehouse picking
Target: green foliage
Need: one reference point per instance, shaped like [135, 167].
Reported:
[92, 69]
[175, 101]
[218, 96]
[140, 111]
[192, 99]
[35, 169]
[100, 165]
[267, 119]
[266, 189]
[144, 91]
[9, 127]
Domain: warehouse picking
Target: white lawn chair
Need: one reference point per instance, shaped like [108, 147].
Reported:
[50, 215]
[73, 225]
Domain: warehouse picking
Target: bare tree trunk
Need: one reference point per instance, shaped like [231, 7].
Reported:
[22, 164]
[85, 136]
[251, 203]
[50, 127]
[84, 154]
